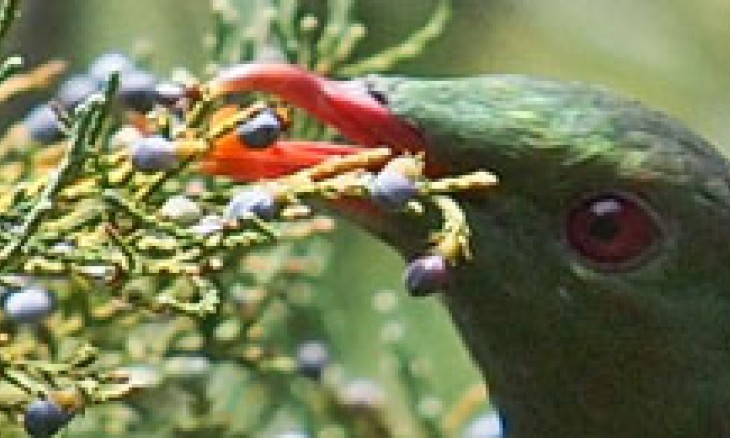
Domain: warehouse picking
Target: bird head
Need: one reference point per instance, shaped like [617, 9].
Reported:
[605, 247]
[607, 186]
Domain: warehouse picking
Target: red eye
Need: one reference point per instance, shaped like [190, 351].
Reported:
[612, 230]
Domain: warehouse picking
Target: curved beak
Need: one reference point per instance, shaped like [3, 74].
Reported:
[347, 106]
[231, 157]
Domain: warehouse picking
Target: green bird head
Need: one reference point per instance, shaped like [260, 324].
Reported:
[597, 302]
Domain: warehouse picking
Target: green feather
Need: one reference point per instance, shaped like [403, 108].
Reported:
[570, 349]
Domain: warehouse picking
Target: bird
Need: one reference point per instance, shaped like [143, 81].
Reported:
[597, 300]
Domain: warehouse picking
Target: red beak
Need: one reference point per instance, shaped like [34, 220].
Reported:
[231, 158]
[343, 105]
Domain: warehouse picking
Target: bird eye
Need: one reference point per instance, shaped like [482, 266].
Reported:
[613, 231]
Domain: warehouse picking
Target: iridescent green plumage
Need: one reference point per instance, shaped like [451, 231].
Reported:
[570, 345]
[570, 349]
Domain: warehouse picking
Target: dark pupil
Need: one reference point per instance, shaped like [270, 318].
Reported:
[605, 225]
[604, 228]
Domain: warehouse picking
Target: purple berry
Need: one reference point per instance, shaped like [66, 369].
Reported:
[137, 90]
[181, 209]
[43, 125]
[254, 201]
[28, 306]
[108, 63]
[261, 131]
[43, 418]
[426, 275]
[153, 154]
[169, 93]
[312, 359]
[392, 190]
[75, 90]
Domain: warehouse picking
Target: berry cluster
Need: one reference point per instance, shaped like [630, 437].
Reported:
[139, 91]
[197, 291]
[192, 229]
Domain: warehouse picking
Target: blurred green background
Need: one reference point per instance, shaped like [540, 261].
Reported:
[671, 54]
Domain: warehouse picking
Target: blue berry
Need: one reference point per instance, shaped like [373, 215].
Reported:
[43, 418]
[169, 93]
[254, 201]
[43, 125]
[181, 209]
[152, 154]
[29, 306]
[108, 63]
[426, 275]
[137, 90]
[261, 131]
[392, 190]
[312, 359]
[75, 90]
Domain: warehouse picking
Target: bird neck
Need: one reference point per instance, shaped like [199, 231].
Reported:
[597, 364]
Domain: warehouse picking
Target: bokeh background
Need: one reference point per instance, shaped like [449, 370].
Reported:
[671, 54]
